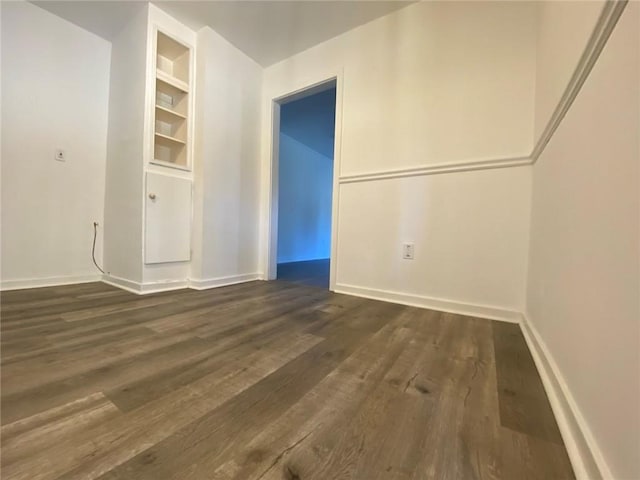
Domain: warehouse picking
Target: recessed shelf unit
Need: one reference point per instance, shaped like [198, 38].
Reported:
[171, 119]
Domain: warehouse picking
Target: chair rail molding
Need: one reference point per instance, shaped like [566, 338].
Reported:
[449, 167]
[611, 12]
[609, 16]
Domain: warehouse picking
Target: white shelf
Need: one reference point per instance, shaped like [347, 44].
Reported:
[172, 129]
[162, 163]
[170, 113]
[170, 139]
[171, 80]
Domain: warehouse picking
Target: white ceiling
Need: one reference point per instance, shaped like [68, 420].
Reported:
[104, 18]
[267, 31]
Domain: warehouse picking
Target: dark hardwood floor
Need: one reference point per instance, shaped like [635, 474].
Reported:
[314, 273]
[265, 380]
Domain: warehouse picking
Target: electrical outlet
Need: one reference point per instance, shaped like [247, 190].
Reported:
[59, 155]
[407, 251]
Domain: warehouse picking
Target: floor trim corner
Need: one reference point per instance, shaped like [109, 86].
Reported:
[585, 455]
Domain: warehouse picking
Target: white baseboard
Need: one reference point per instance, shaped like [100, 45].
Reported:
[480, 311]
[196, 284]
[144, 288]
[155, 287]
[203, 284]
[48, 282]
[585, 455]
[128, 285]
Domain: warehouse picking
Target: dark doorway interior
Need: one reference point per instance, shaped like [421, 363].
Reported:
[311, 272]
[305, 188]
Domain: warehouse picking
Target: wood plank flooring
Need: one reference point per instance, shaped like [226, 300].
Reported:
[265, 380]
[314, 273]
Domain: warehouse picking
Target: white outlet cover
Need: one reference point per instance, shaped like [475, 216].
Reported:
[59, 155]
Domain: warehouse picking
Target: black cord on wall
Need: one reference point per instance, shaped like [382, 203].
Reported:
[93, 248]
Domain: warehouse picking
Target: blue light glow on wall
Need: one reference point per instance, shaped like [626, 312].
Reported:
[307, 129]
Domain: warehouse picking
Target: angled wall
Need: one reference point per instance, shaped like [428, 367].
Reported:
[584, 260]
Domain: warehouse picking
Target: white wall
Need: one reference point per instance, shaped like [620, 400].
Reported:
[55, 94]
[583, 282]
[563, 29]
[124, 196]
[468, 230]
[304, 203]
[227, 167]
[431, 83]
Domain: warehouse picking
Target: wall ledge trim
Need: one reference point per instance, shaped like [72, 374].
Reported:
[206, 283]
[443, 305]
[607, 20]
[6, 285]
[449, 167]
[586, 457]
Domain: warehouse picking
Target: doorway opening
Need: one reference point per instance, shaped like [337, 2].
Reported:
[305, 135]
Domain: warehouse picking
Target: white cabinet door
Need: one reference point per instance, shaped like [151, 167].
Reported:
[168, 219]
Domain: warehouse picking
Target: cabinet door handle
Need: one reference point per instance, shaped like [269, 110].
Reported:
[152, 196]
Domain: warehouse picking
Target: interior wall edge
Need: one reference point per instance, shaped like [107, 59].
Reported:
[439, 304]
[585, 455]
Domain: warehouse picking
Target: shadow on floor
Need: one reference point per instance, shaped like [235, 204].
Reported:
[312, 272]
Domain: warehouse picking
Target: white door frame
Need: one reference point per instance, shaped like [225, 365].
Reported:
[272, 237]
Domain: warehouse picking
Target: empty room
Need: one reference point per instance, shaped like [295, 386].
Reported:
[300, 240]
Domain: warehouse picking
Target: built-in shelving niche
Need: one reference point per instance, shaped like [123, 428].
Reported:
[171, 131]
